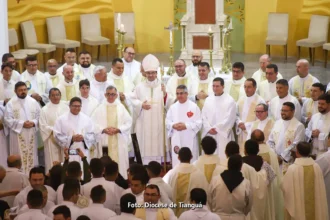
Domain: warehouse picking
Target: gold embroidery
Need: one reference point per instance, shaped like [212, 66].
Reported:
[266, 157]
[182, 81]
[306, 86]
[112, 121]
[203, 87]
[182, 184]
[70, 92]
[309, 192]
[208, 171]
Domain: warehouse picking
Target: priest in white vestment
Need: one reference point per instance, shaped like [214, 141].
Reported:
[318, 128]
[99, 83]
[286, 134]
[22, 117]
[53, 109]
[75, 130]
[7, 84]
[231, 195]
[149, 99]
[261, 74]
[267, 88]
[263, 122]
[180, 77]
[303, 188]
[85, 66]
[70, 58]
[183, 178]
[183, 121]
[52, 74]
[89, 103]
[310, 106]
[4, 148]
[323, 161]
[9, 58]
[235, 85]
[196, 59]
[37, 83]
[68, 86]
[209, 163]
[275, 105]
[274, 203]
[131, 66]
[202, 86]
[300, 85]
[152, 197]
[112, 127]
[218, 124]
[245, 111]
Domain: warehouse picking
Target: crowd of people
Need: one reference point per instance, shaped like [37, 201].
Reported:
[238, 148]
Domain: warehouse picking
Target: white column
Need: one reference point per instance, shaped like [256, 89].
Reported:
[4, 44]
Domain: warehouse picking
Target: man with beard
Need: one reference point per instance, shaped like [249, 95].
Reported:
[260, 75]
[318, 128]
[131, 66]
[70, 60]
[9, 58]
[85, 67]
[22, 117]
[52, 74]
[196, 59]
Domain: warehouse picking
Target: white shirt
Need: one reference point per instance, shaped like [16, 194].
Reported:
[198, 214]
[124, 216]
[32, 214]
[97, 212]
[75, 210]
[166, 191]
[7, 90]
[139, 197]
[44, 210]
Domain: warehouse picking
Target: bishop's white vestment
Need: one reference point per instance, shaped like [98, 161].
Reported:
[304, 191]
[113, 115]
[219, 112]
[23, 141]
[189, 114]
[275, 106]
[48, 116]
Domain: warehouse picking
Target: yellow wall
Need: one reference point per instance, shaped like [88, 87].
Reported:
[300, 11]
[150, 17]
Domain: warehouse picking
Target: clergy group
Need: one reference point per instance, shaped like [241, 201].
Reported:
[237, 148]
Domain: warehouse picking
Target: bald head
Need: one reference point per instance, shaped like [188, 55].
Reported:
[196, 57]
[258, 136]
[14, 161]
[129, 54]
[264, 60]
[52, 66]
[2, 173]
[68, 73]
[302, 67]
[180, 67]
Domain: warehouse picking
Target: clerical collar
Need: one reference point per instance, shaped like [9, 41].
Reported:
[204, 80]
[31, 74]
[69, 82]
[52, 75]
[219, 95]
[84, 97]
[251, 97]
[182, 75]
[285, 96]
[303, 77]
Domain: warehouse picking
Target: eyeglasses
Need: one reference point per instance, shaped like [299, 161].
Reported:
[180, 93]
[110, 94]
[130, 54]
[151, 195]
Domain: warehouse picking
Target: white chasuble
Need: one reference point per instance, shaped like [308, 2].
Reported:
[88, 105]
[149, 126]
[219, 112]
[260, 76]
[23, 141]
[48, 116]
[267, 90]
[68, 125]
[98, 89]
[304, 191]
[265, 126]
[245, 114]
[209, 165]
[320, 122]
[235, 88]
[113, 115]
[275, 106]
[323, 161]
[189, 114]
[54, 79]
[309, 108]
[69, 89]
[174, 81]
[7, 90]
[301, 87]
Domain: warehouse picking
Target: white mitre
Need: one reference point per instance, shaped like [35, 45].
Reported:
[150, 63]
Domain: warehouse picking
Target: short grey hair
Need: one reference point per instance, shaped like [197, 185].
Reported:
[183, 87]
[264, 105]
[98, 68]
[111, 87]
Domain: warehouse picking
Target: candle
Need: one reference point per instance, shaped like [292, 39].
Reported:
[171, 37]
[230, 24]
[210, 29]
[118, 20]
[122, 28]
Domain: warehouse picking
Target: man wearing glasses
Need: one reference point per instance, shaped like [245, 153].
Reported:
[131, 66]
[52, 74]
[263, 122]
[74, 130]
[235, 85]
[37, 83]
[112, 128]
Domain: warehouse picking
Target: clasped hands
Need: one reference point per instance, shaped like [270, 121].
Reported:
[111, 131]
[28, 124]
[242, 126]
[202, 95]
[315, 133]
[179, 126]
[77, 138]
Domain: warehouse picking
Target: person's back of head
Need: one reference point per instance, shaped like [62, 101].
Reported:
[185, 155]
[83, 217]
[136, 168]
[111, 171]
[235, 162]
[55, 176]
[209, 145]
[232, 148]
[251, 147]
[154, 169]
[96, 167]
[303, 149]
[127, 202]
[34, 199]
[71, 190]
[198, 196]
[105, 160]
[98, 194]
[258, 136]
[62, 212]
[14, 161]
[74, 170]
